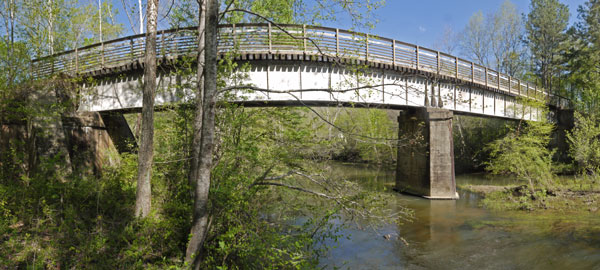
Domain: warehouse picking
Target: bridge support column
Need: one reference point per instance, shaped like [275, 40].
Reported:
[119, 131]
[565, 121]
[89, 144]
[426, 166]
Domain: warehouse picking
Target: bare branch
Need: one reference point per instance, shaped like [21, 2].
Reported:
[291, 93]
[298, 188]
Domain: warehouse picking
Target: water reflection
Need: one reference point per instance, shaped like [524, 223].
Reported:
[461, 235]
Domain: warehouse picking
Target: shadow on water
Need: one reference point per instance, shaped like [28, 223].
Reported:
[461, 235]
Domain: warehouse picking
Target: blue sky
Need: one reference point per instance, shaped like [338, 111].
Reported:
[422, 22]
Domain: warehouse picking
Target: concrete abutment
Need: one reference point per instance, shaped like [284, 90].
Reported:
[426, 161]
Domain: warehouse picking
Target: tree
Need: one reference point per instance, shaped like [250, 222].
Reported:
[584, 146]
[546, 25]
[584, 55]
[448, 42]
[506, 39]
[207, 133]
[197, 125]
[584, 77]
[494, 40]
[475, 39]
[146, 150]
[524, 152]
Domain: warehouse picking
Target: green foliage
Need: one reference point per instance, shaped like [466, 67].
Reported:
[524, 152]
[355, 135]
[584, 79]
[269, 208]
[546, 25]
[369, 136]
[584, 143]
[584, 54]
[471, 135]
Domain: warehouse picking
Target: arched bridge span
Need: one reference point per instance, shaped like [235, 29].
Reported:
[304, 59]
[294, 65]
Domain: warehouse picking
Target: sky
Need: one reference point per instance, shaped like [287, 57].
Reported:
[422, 22]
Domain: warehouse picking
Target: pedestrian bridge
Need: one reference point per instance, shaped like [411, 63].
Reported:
[302, 65]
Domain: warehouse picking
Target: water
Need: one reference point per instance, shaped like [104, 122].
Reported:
[461, 235]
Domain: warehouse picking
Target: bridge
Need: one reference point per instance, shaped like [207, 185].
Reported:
[302, 65]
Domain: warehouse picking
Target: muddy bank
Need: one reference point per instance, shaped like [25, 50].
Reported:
[564, 197]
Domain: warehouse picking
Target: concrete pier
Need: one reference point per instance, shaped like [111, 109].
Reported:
[426, 164]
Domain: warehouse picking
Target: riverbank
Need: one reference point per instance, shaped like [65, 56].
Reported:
[567, 194]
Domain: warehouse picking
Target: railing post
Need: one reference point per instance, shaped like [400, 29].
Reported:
[509, 84]
[102, 54]
[498, 77]
[417, 56]
[131, 49]
[527, 89]
[438, 63]
[519, 88]
[161, 43]
[304, 36]
[486, 77]
[337, 42]
[367, 49]
[472, 72]
[270, 45]
[76, 61]
[233, 36]
[394, 52]
[456, 67]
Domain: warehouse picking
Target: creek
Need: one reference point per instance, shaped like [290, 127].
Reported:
[460, 234]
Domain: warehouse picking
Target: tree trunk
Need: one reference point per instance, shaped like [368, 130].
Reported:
[192, 177]
[141, 17]
[146, 151]
[202, 185]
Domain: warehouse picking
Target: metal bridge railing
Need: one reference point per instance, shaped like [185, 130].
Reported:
[307, 40]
